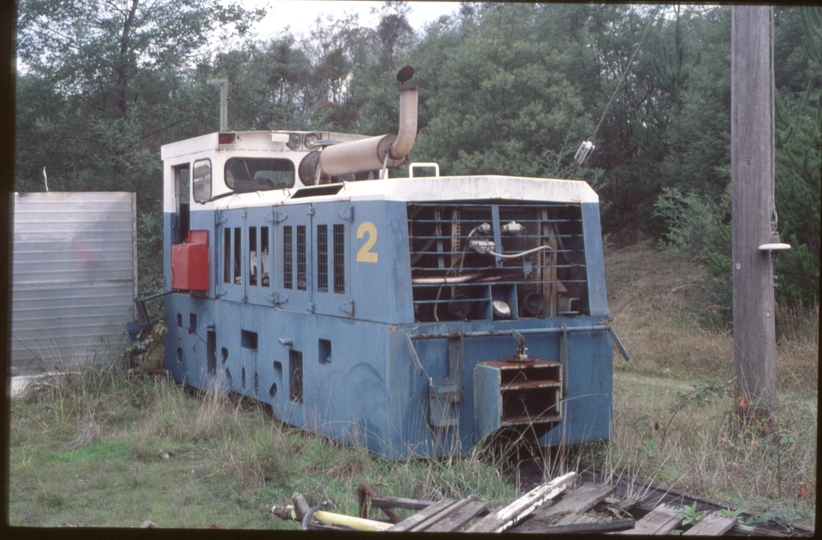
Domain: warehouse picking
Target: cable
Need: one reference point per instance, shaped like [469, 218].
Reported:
[587, 146]
[520, 254]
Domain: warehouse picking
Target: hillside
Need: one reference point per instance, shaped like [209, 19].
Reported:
[674, 421]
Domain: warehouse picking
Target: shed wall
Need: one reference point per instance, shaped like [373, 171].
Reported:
[74, 277]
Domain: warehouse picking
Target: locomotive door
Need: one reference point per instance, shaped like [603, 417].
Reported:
[330, 238]
[258, 256]
[292, 283]
[233, 268]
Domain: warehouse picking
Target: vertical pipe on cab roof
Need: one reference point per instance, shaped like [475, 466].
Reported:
[223, 102]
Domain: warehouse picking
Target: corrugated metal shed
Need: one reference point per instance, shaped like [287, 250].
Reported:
[74, 277]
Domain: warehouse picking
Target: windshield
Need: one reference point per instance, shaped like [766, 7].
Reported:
[258, 174]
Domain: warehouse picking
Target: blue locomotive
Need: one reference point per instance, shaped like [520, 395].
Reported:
[415, 316]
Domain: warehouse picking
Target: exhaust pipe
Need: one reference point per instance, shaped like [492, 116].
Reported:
[381, 151]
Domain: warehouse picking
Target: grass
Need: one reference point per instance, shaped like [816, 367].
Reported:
[102, 447]
[675, 419]
[82, 455]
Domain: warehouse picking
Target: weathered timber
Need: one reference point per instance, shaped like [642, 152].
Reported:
[581, 499]
[661, 520]
[712, 525]
[576, 517]
[573, 503]
[614, 525]
[399, 502]
[301, 507]
[752, 186]
[458, 518]
[647, 498]
[364, 492]
[420, 517]
[747, 530]
[442, 515]
[508, 516]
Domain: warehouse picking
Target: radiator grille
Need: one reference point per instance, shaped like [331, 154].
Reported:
[465, 257]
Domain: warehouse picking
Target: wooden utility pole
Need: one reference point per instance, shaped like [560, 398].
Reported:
[752, 207]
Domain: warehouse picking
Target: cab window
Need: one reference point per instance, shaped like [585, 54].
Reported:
[201, 180]
[258, 174]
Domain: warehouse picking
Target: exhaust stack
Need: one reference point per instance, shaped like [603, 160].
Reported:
[383, 150]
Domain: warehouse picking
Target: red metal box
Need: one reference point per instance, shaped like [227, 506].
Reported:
[189, 267]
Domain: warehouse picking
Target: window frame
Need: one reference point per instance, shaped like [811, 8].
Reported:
[199, 184]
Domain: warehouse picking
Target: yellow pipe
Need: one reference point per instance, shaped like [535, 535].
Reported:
[351, 522]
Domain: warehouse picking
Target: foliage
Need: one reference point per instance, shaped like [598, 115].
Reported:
[727, 512]
[111, 448]
[506, 88]
[693, 222]
[798, 188]
[102, 86]
[694, 219]
[498, 102]
[690, 515]
[698, 230]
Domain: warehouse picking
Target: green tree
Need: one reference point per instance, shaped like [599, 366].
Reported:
[267, 84]
[102, 86]
[798, 186]
[496, 97]
[701, 218]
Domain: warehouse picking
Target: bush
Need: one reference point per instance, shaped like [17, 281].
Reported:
[698, 230]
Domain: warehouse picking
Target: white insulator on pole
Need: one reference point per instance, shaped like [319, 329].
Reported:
[584, 151]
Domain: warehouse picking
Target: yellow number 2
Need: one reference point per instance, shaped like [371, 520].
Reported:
[365, 254]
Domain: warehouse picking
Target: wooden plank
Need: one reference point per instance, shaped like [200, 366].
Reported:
[569, 508]
[455, 520]
[412, 521]
[539, 525]
[746, 530]
[364, 493]
[399, 502]
[712, 525]
[580, 500]
[661, 520]
[508, 516]
[576, 517]
[614, 525]
[443, 514]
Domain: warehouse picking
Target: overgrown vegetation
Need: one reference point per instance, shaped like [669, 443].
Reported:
[698, 221]
[105, 448]
[675, 409]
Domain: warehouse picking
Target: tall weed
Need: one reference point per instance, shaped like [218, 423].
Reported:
[693, 440]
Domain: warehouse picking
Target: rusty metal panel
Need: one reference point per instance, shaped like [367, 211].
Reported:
[516, 394]
[74, 277]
